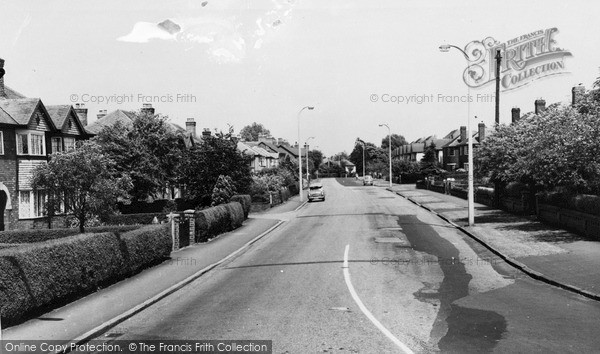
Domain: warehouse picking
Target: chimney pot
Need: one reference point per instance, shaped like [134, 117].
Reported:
[481, 131]
[463, 134]
[206, 132]
[190, 126]
[147, 109]
[515, 113]
[82, 113]
[576, 93]
[540, 106]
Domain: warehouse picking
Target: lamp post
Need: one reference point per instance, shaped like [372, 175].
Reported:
[310, 108]
[446, 48]
[306, 145]
[389, 148]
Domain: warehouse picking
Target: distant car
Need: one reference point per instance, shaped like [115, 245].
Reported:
[368, 181]
[315, 191]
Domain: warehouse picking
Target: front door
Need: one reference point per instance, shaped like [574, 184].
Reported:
[3, 199]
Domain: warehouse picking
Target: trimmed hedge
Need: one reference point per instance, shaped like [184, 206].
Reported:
[44, 275]
[41, 235]
[39, 275]
[245, 200]
[136, 219]
[146, 246]
[216, 220]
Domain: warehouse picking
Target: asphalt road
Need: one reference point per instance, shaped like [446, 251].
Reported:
[409, 281]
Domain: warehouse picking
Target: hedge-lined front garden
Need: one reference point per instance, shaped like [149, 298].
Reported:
[46, 274]
[41, 235]
[217, 220]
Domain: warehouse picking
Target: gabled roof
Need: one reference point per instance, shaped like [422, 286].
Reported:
[12, 94]
[21, 111]
[5, 118]
[60, 115]
[124, 117]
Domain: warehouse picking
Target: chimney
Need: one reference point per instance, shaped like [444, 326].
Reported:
[81, 113]
[101, 113]
[147, 109]
[540, 106]
[481, 131]
[463, 134]
[2, 72]
[206, 133]
[515, 113]
[576, 93]
[190, 126]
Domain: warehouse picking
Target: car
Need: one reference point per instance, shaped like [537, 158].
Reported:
[368, 181]
[315, 191]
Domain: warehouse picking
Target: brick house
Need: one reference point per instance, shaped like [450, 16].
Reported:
[29, 133]
[456, 152]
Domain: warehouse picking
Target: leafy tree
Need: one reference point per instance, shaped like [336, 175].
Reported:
[85, 181]
[149, 151]
[397, 141]
[316, 157]
[251, 132]
[223, 190]
[429, 159]
[400, 166]
[372, 154]
[202, 164]
[340, 156]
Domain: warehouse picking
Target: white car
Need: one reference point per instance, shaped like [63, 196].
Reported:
[315, 191]
[368, 181]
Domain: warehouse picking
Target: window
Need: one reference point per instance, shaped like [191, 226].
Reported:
[1, 144]
[466, 166]
[57, 145]
[69, 144]
[30, 143]
[31, 204]
[451, 152]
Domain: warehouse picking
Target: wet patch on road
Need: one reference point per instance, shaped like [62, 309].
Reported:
[455, 328]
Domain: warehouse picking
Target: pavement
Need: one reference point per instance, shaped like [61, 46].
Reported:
[544, 252]
[92, 314]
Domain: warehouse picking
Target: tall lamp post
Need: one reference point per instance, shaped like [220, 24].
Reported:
[446, 48]
[310, 108]
[363, 151]
[306, 145]
[389, 148]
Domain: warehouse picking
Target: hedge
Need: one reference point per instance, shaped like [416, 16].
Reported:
[133, 219]
[216, 220]
[43, 275]
[146, 246]
[245, 200]
[41, 235]
[35, 276]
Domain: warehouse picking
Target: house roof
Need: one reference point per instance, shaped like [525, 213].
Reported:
[124, 117]
[21, 109]
[59, 114]
[248, 149]
[5, 118]
[12, 94]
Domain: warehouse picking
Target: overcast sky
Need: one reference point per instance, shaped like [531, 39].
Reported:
[263, 60]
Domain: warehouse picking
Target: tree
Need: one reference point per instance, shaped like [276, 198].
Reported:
[149, 151]
[397, 141]
[251, 132]
[340, 156]
[316, 157]
[223, 190]
[85, 181]
[202, 164]
[372, 154]
[429, 159]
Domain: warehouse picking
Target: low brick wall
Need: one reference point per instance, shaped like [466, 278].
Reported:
[581, 223]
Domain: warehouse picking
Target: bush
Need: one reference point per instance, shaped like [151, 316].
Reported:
[514, 189]
[146, 246]
[587, 203]
[39, 275]
[245, 200]
[41, 235]
[217, 220]
[136, 219]
[222, 191]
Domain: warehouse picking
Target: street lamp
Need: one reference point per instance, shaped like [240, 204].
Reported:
[446, 48]
[310, 108]
[363, 151]
[306, 145]
[390, 148]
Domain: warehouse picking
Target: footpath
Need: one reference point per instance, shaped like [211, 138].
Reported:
[93, 314]
[546, 253]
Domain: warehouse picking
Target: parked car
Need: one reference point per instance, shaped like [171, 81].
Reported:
[368, 181]
[315, 191]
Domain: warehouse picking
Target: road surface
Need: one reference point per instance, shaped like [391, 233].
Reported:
[366, 271]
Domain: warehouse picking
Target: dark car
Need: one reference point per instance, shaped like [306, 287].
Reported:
[315, 191]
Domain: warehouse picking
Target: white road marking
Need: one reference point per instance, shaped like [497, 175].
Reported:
[366, 311]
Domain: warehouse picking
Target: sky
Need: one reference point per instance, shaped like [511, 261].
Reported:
[227, 62]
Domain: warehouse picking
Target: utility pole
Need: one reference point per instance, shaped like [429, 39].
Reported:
[498, 59]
